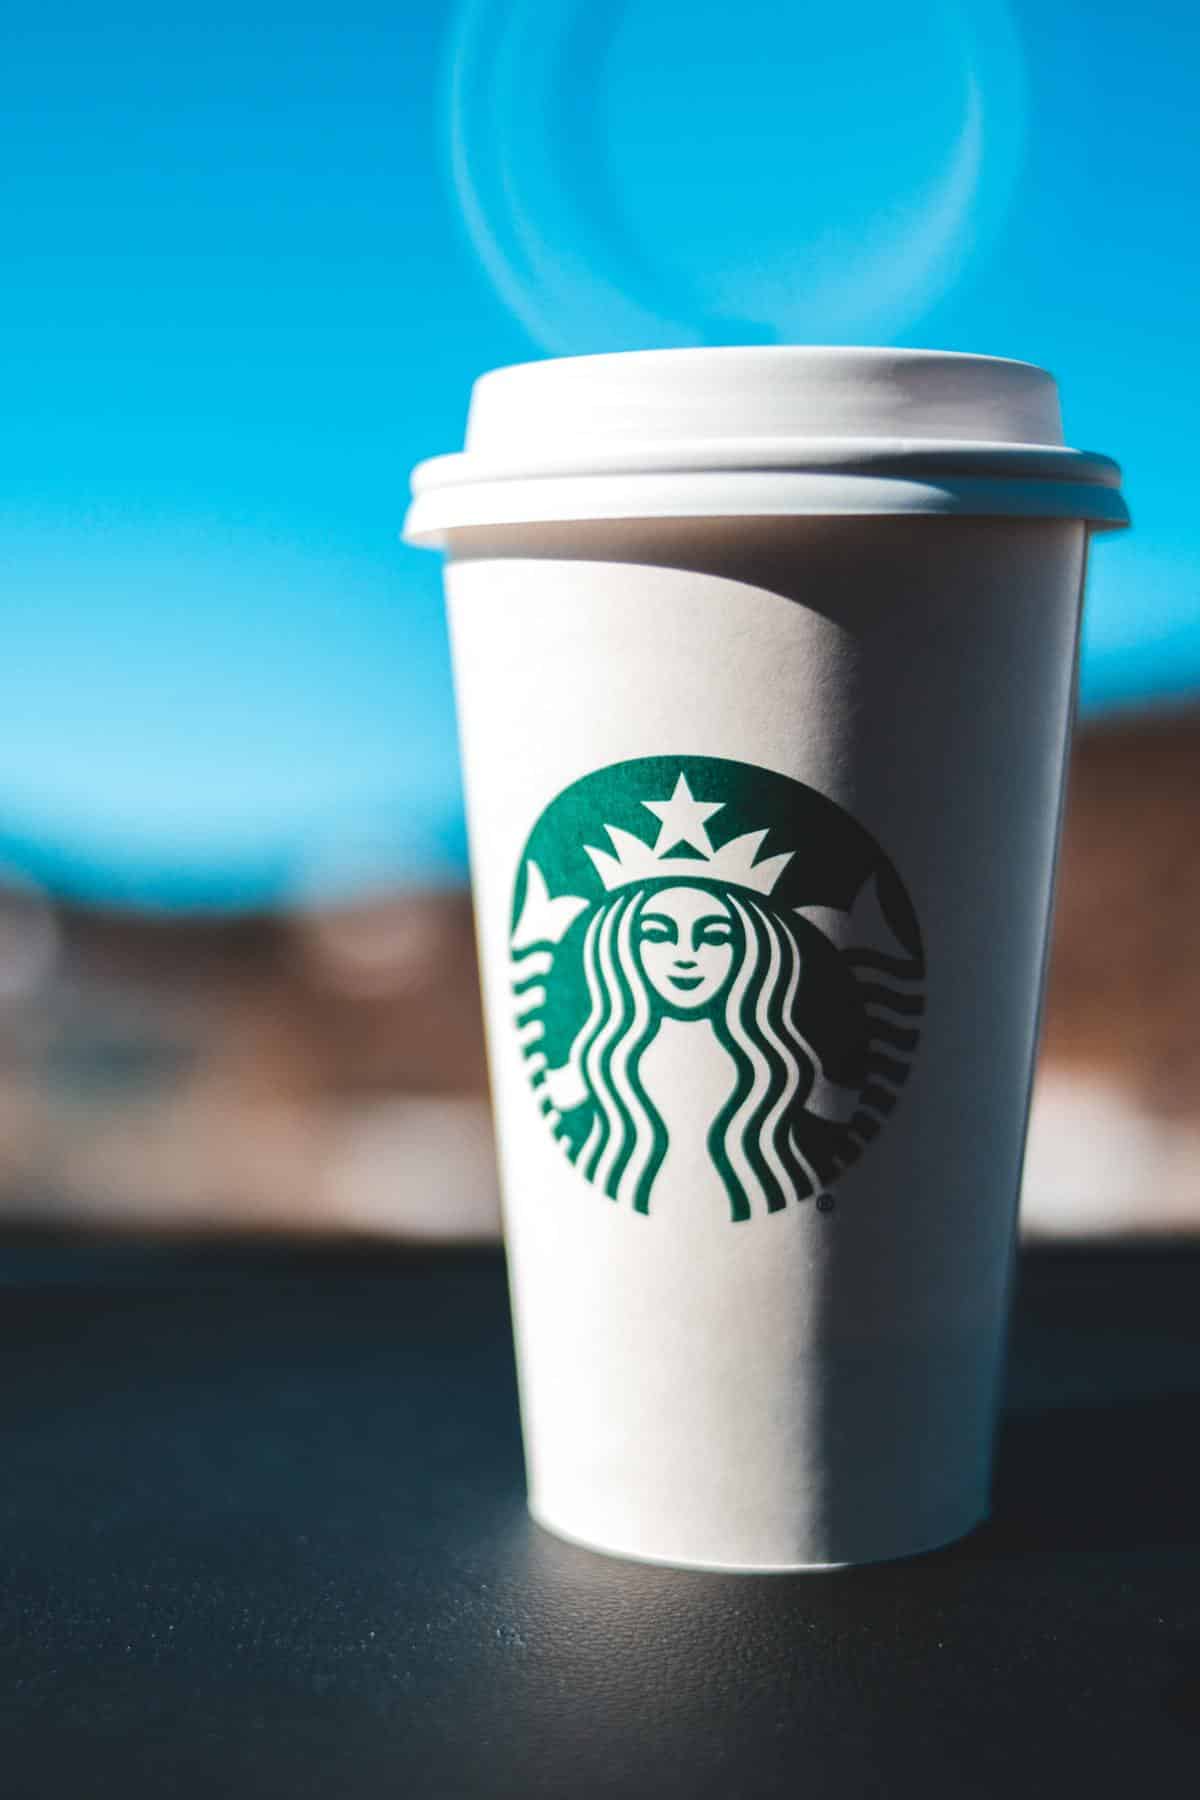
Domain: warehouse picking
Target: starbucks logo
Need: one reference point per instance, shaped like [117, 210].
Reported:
[716, 969]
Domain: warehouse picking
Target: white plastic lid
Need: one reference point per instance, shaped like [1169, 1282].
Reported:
[756, 431]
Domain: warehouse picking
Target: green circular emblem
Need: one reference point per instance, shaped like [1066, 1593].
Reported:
[718, 976]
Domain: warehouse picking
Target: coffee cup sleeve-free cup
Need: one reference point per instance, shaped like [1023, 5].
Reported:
[763, 809]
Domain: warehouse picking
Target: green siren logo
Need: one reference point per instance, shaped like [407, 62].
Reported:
[718, 980]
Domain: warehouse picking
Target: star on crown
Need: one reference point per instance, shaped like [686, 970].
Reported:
[684, 820]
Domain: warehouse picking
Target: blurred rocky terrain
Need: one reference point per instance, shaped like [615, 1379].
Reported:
[1115, 1134]
[325, 1071]
[321, 1071]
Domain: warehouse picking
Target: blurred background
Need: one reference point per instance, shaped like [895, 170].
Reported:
[253, 258]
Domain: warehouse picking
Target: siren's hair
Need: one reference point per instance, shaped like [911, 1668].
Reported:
[752, 1141]
[627, 1141]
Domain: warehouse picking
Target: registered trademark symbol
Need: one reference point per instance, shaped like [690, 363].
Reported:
[825, 1203]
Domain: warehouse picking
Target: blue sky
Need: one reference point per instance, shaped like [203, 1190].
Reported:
[251, 268]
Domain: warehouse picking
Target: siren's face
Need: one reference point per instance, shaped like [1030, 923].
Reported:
[686, 946]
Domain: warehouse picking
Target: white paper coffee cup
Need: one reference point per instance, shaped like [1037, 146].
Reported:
[765, 668]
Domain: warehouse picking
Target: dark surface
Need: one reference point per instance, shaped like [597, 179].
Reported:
[263, 1536]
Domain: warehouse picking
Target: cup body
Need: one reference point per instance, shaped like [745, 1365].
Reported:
[760, 1247]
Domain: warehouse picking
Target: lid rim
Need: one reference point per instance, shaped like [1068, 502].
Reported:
[911, 354]
[437, 513]
[910, 458]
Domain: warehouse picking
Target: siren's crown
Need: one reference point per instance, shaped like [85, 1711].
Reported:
[682, 820]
